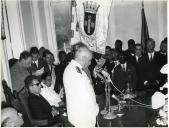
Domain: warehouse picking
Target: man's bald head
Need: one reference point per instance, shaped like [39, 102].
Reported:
[82, 54]
[10, 118]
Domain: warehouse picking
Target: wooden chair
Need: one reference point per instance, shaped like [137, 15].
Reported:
[23, 98]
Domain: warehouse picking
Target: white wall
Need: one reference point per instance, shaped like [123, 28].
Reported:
[125, 21]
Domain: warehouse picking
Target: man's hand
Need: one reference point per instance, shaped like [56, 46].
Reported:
[39, 72]
[61, 103]
[54, 112]
[146, 82]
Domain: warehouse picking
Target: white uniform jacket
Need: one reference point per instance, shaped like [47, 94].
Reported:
[82, 108]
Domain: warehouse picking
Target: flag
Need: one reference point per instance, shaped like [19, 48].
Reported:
[91, 23]
[3, 36]
[144, 29]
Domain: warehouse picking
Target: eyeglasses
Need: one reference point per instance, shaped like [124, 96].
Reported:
[37, 84]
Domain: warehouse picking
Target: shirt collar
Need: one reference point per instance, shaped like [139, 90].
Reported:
[124, 65]
[43, 85]
[151, 53]
[163, 53]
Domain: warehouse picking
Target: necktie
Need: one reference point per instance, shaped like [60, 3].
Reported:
[151, 57]
[35, 65]
[123, 68]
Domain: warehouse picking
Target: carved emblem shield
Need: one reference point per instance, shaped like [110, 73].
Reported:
[90, 11]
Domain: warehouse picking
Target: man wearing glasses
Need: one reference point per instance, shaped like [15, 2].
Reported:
[40, 109]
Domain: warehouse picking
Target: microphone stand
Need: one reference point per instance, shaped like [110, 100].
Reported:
[119, 112]
[109, 115]
[104, 111]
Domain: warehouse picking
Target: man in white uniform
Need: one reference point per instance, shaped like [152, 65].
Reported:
[82, 108]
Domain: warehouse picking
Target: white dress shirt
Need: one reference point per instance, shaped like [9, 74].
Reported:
[82, 108]
[50, 95]
[52, 71]
[149, 56]
[124, 65]
[115, 65]
[36, 62]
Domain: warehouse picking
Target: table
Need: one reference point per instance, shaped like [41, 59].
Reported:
[134, 117]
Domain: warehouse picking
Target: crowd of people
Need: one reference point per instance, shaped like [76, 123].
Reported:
[78, 78]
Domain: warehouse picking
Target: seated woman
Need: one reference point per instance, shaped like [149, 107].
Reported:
[48, 92]
[39, 107]
[11, 118]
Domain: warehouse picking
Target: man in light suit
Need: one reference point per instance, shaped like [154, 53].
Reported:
[82, 108]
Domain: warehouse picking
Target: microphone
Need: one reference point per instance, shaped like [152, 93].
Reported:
[105, 74]
[101, 73]
[115, 97]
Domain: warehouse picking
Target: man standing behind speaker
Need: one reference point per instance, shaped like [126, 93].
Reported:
[82, 108]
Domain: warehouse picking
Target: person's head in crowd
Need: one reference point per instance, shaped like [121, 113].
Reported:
[11, 118]
[62, 56]
[122, 58]
[33, 84]
[114, 54]
[46, 79]
[25, 59]
[100, 61]
[34, 53]
[69, 57]
[163, 46]
[131, 45]
[110, 56]
[82, 54]
[107, 50]
[52, 59]
[41, 50]
[118, 45]
[150, 45]
[47, 56]
[138, 50]
[97, 55]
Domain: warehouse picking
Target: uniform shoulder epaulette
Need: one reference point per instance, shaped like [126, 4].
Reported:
[78, 70]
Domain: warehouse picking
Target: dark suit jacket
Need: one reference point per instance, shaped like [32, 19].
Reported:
[109, 66]
[132, 60]
[149, 70]
[41, 63]
[39, 107]
[128, 54]
[59, 69]
[120, 77]
[162, 59]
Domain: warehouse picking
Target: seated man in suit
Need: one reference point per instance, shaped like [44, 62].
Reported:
[37, 66]
[50, 66]
[124, 72]
[19, 71]
[48, 92]
[40, 108]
